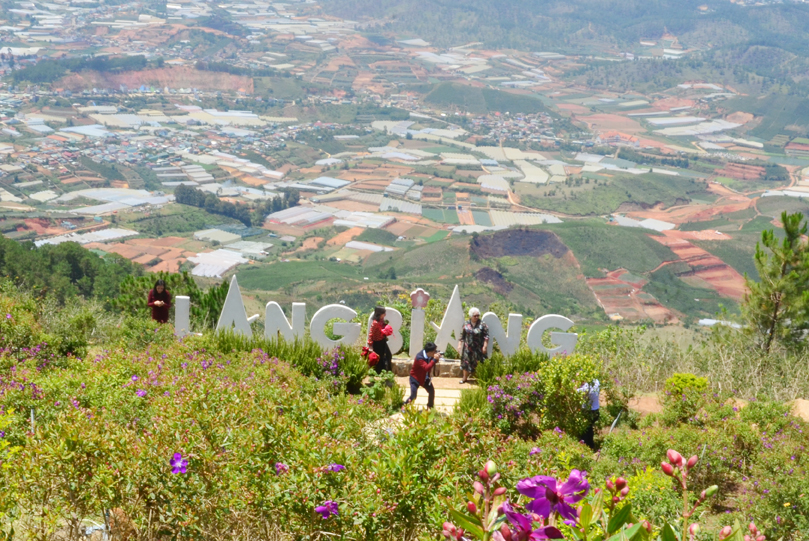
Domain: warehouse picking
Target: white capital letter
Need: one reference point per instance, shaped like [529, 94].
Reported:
[452, 324]
[566, 341]
[509, 342]
[182, 316]
[233, 314]
[394, 318]
[276, 322]
[350, 332]
[417, 317]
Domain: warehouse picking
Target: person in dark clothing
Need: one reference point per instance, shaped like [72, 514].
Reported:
[160, 302]
[378, 340]
[420, 373]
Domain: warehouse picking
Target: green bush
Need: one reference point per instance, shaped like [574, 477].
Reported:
[680, 384]
[544, 399]
[685, 395]
[498, 365]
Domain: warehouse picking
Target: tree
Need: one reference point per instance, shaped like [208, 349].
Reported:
[777, 307]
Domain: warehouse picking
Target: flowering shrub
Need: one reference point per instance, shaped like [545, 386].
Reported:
[554, 508]
[541, 400]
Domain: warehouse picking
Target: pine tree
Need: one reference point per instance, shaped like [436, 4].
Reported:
[777, 306]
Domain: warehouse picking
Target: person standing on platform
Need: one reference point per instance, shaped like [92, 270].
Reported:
[159, 301]
[378, 335]
[420, 373]
[474, 343]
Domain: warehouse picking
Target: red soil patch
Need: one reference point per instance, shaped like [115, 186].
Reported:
[344, 237]
[691, 213]
[697, 235]
[707, 267]
[621, 293]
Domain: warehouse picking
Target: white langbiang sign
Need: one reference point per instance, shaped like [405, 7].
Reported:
[234, 317]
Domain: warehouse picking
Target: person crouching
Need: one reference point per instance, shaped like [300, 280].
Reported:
[420, 373]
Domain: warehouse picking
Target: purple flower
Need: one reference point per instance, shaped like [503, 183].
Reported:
[335, 467]
[280, 468]
[551, 496]
[134, 378]
[178, 463]
[141, 393]
[534, 451]
[2, 434]
[8, 316]
[328, 509]
[522, 526]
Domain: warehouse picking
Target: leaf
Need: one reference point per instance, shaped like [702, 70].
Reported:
[668, 533]
[585, 516]
[464, 522]
[628, 534]
[619, 519]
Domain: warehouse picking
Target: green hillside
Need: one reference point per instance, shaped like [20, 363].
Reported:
[482, 100]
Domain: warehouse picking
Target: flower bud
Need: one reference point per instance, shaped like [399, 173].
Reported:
[499, 491]
[711, 490]
[747, 538]
[725, 532]
[692, 461]
[620, 483]
[752, 528]
[505, 531]
[675, 458]
[616, 499]
[693, 529]
[484, 475]
[491, 467]
[647, 526]
[478, 487]
[609, 485]
[472, 508]
[624, 492]
[667, 468]
[761, 538]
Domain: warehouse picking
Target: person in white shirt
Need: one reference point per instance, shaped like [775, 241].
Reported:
[593, 390]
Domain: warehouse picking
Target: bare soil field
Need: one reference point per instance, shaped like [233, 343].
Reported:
[622, 293]
[707, 267]
[346, 236]
[692, 213]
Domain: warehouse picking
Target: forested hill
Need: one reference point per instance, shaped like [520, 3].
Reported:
[575, 25]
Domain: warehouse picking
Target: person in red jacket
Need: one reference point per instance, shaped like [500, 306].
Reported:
[420, 373]
[160, 302]
[378, 340]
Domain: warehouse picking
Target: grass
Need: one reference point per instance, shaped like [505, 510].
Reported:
[648, 189]
[279, 275]
[172, 219]
[282, 88]
[435, 237]
[709, 224]
[377, 236]
[482, 100]
[774, 206]
[674, 293]
[597, 245]
[777, 110]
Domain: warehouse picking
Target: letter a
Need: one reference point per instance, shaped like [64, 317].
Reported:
[233, 314]
[452, 324]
